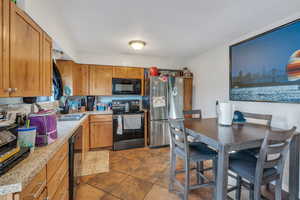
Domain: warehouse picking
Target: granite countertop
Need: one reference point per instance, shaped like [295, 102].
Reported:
[19, 176]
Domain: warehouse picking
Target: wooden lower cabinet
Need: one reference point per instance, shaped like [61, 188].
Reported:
[35, 188]
[62, 192]
[43, 196]
[53, 184]
[101, 131]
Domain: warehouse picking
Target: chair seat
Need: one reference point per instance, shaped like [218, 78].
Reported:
[244, 165]
[198, 152]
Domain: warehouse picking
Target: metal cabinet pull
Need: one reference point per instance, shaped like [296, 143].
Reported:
[14, 89]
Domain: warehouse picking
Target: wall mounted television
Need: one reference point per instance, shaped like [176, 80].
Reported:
[266, 68]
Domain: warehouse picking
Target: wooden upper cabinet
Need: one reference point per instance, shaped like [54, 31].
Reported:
[4, 48]
[81, 79]
[47, 65]
[119, 72]
[100, 80]
[188, 93]
[26, 48]
[75, 76]
[128, 72]
[65, 68]
[135, 73]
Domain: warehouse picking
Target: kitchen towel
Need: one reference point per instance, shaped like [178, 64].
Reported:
[120, 126]
[132, 121]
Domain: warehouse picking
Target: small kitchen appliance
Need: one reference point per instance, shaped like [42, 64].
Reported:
[225, 114]
[122, 86]
[90, 103]
[46, 125]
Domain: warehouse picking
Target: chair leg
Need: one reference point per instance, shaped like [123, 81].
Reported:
[200, 180]
[215, 170]
[239, 188]
[172, 171]
[257, 192]
[187, 179]
[251, 192]
[278, 189]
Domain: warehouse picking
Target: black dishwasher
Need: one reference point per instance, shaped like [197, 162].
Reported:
[75, 152]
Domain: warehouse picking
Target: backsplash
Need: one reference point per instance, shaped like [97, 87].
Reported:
[26, 108]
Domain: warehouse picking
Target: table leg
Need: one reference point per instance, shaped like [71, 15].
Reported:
[294, 168]
[222, 174]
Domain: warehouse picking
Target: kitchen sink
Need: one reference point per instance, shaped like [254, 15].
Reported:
[71, 117]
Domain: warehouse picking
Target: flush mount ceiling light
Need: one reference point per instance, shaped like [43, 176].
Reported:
[137, 44]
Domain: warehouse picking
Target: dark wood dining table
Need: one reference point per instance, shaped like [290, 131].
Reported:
[226, 139]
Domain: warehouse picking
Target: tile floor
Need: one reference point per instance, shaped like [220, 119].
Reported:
[136, 174]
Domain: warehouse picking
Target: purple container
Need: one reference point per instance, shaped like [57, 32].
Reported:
[46, 124]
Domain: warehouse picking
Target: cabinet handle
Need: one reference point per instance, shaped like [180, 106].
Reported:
[14, 89]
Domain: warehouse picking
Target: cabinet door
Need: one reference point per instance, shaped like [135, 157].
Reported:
[76, 79]
[4, 48]
[66, 71]
[101, 134]
[81, 79]
[47, 65]
[188, 93]
[26, 42]
[135, 73]
[119, 72]
[84, 69]
[100, 80]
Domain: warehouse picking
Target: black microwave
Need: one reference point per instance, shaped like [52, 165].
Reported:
[122, 86]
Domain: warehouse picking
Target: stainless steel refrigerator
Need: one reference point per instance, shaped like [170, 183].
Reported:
[166, 101]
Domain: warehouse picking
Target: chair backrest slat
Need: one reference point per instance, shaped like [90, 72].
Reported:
[264, 117]
[178, 135]
[273, 152]
[272, 163]
[276, 148]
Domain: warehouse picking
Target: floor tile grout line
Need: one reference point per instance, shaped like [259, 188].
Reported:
[106, 192]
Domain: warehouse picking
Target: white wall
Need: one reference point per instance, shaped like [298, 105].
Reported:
[45, 13]
[128, 60]
[211, 75]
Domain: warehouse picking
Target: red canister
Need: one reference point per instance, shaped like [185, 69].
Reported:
[153, 71]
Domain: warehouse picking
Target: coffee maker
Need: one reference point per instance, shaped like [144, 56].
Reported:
[90, 103]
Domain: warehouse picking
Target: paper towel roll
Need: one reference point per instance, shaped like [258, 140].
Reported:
[225, 114]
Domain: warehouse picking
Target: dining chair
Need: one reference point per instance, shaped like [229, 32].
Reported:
[189, 152]
[192, 114]
[253, 172]
[265, 118]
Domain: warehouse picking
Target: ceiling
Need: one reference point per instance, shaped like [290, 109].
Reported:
[175, 28]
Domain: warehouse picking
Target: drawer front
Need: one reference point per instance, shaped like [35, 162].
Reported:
[55, 181]
[56, 161]
[35, 188]
[63, 190]
[100, 118]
